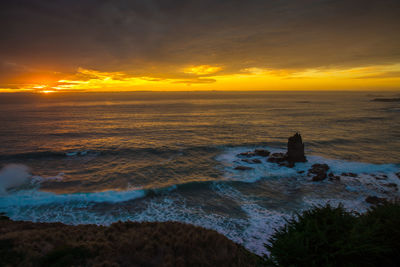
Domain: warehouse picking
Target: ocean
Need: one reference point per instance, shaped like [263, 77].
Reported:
[99, 158]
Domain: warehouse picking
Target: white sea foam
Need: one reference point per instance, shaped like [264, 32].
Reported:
[13, 175]
[19, 188]
[266, 170]
[230, 160]
[35, 197]
[252, 231]
[356, 204]
[260, 224]
[371, 179]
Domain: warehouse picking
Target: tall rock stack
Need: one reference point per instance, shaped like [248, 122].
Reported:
[295, 149]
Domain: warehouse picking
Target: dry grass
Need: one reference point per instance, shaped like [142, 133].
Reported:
[121, 244]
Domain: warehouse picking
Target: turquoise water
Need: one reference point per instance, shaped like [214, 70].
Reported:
[152, 156]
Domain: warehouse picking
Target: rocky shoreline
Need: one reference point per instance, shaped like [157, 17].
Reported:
[317, 172]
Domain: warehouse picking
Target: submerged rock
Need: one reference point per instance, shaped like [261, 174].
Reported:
[295, 149]
[252, 161]
[333, 177]
[391, 185]
[350, 174]
[287, 164]
[247, 154]
[381, 177]
[243, 168]
[276, 157]
[262, 152]
[318, 171]
[375, 200]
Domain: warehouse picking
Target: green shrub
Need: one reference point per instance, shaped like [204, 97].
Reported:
[330, 236]
[379, 231]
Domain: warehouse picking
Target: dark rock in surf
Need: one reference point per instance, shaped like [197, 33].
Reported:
[381, 177]
[375, 200]
[398, 175]
[350, 174]
[295, 153]
[243, 168]
[262, 152]
[252, 161]
[286, 164]
[318, 172]
[391, 185]
[333, 177]
[247, 154]
[276, 157]
[295, 149]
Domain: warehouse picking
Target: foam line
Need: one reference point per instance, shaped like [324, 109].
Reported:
[35, 197]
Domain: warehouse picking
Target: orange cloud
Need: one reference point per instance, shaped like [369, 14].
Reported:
[202, 69]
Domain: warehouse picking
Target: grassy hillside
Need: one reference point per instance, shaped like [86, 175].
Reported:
[121, 244]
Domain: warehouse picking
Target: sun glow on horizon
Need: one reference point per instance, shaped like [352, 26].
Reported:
[207, 77]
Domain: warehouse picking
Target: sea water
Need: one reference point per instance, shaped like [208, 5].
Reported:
[160, 156]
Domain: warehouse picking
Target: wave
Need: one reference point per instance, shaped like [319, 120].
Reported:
[33, 155]
[18, 187]
[35, 197]
[24, 190]
[158, 151]
[101, 152]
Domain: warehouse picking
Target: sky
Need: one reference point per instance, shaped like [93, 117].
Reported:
[162, 45]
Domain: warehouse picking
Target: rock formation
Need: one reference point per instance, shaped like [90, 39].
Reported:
[295, 149]
[295, 153]
[349, 174]
[276, 157]
[247, 154]
[262, 152]
[333, 177]
[318, 171]
[243, 168]
[252, 161]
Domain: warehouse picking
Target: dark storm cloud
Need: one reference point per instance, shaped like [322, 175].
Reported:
[145, 36]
